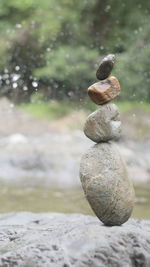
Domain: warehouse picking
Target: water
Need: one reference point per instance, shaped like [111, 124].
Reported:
[67, 201]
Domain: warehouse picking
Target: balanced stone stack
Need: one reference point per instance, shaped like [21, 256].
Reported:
[103, 173]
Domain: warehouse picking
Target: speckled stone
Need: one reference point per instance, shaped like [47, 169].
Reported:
[105, 67]
[104, 124]
[104, 91]
[71, 240]
[106, 184]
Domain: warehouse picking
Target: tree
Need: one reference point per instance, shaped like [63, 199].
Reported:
[53, 46]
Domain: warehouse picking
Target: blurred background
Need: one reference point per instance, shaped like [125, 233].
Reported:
[49, 53]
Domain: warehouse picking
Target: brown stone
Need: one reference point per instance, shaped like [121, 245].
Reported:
[104, 91]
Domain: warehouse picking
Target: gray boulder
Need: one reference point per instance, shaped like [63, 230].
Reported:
[104, 124]
[106, 183]
[59, 240]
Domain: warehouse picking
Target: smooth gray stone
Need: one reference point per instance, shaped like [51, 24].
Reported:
[105, 67]
[106, 184]
[104, 124]
[66, 240]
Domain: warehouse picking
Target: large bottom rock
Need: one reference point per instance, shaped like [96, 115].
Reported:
[53, 240]
[106, 183]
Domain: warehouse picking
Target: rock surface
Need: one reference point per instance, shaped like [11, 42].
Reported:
[104, 91]
[104, 124]
[105, 67]
[106, 183]
[59, 240]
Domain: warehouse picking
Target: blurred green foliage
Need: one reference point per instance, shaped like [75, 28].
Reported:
[55, 109]
[54, 46]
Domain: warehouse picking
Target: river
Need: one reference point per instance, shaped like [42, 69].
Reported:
[64, 200]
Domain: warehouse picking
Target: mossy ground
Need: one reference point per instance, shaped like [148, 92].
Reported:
[55, 110]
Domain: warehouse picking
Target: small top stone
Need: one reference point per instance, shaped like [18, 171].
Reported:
[105, 67]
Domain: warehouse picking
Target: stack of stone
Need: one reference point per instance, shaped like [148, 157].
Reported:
[103, 173]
